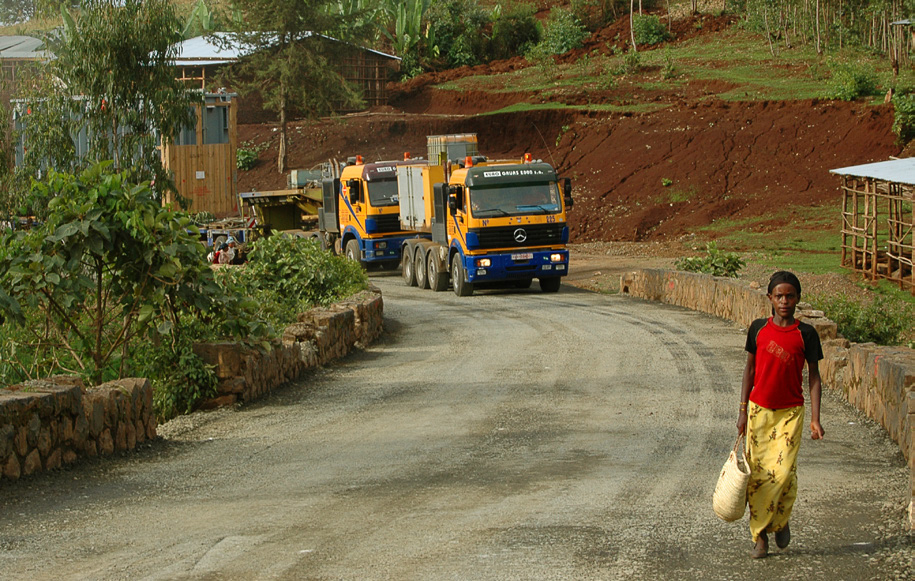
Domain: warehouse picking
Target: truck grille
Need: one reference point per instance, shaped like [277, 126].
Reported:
[386, 223]
[504, 236]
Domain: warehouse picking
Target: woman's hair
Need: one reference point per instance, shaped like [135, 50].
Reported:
[783, 276]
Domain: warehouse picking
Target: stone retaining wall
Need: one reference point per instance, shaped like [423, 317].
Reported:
[49, 423]
[878, 380]
[45, 424]
[321, 335]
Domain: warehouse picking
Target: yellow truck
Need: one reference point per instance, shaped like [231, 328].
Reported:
[488, 224]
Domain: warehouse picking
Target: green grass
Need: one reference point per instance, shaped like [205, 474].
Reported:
[522, 107]
[814, 245]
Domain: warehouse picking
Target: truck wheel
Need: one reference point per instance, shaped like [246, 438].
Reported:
[438, 281]
[419, 266]
[406, 263]
[352, 252]
[462, 288]
[550, 285]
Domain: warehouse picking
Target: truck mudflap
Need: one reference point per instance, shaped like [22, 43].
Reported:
[516, 265]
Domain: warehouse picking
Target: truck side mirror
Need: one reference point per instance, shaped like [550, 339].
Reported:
[452, 202]
[567, 192]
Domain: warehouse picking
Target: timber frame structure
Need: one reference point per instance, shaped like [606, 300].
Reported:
[878, 224]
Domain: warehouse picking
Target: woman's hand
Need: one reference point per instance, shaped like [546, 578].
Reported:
[742, 423]
[816, 430]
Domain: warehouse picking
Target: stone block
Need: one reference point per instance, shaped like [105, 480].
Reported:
[44, 440]
[69, 456]
[12, 469]
[32, 463]
[53, 460]
[91, 448]
[120, 440]
[105, 442]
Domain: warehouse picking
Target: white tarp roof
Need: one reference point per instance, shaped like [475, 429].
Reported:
[204, 50]
[21, 47]
[899, 171]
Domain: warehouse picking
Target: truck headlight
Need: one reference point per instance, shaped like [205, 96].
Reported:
[381, 245]
[556, 257]
[484, 262]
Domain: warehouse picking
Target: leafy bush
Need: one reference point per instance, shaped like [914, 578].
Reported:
[883, 320]
[630, 64]
[455, 30]
[245, 158]
[850, 81]
[563, 32]
[285, 276]
[715, 262]
[648, 29]
[904, 117]
[514, 31]
[180, 379]
[110, 265]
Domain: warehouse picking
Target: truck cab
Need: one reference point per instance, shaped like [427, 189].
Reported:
[361, 212]
[508, 223]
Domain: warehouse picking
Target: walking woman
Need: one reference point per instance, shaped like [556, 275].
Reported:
[772, 410]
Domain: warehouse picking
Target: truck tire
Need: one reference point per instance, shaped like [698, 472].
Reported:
[406, 263]
[550, 285]
[438, 280]
[419, 267]
[462, 288]
[352, 252]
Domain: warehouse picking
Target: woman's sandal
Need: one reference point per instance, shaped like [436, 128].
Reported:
[761, 550]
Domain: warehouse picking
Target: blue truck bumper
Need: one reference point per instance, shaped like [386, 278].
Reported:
[381, 249]
[517, 265]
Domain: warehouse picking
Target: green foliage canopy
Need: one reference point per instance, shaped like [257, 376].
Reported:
[109, 265]
[112, 79]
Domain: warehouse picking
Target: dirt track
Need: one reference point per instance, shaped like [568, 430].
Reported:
[471, 443]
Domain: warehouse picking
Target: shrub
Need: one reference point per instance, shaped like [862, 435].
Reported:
[883, 320]
[904, 117]
[285, 276]
[563, 32]
[648, 29]
[180, 379]
[715, 262]
[455, 29]
[245, 158]
[514, 31]
[850, 81]
[630, 64]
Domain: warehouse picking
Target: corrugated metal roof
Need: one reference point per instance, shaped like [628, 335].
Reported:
[899, 171]
[21, 47]
[205, 50]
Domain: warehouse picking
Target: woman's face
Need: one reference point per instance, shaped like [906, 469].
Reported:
[784, 299]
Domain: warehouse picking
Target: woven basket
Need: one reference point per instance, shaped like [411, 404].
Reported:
[730, 498]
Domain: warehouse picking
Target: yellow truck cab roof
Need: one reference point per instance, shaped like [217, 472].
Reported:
[493, 175]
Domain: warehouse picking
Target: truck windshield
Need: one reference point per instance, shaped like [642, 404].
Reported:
[383, 193]
[515, 200]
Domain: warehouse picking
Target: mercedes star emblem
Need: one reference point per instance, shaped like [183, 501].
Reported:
[520, 235]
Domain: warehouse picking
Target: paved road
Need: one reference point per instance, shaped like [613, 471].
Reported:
[501, 436]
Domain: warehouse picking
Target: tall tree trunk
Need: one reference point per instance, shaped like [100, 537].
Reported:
[631, 28]
[281, 156]
[819, 48]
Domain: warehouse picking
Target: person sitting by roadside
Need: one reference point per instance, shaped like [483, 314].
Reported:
[227, 255]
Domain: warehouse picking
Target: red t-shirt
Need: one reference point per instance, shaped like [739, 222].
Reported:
[780, 356]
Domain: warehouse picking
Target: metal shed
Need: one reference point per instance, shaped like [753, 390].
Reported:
[877, 220]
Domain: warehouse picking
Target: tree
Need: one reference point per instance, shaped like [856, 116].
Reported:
[112, 78]
[108, 265]
[291, 61]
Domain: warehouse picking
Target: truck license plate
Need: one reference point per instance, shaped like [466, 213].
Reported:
[523, 256]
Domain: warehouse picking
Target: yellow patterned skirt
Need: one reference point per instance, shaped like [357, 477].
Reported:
[773, 440]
